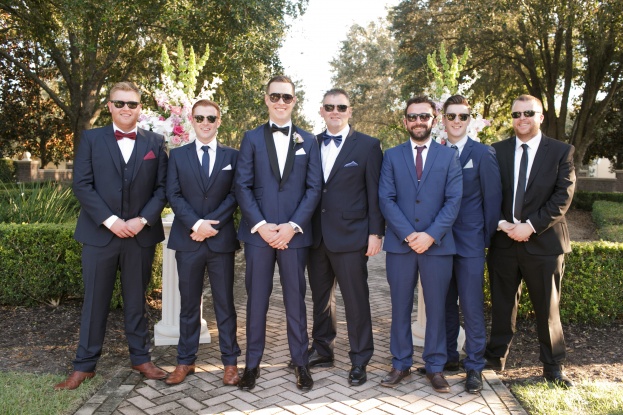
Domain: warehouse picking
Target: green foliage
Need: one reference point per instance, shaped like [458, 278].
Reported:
[41, 264]
[585, 200]
[186, 72]
[612, 233]
[7, 171]
[38, 202]
[607, 213]
[446, 78]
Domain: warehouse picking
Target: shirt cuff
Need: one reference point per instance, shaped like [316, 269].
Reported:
[197, 225]
[529, 223]
[108, 222]
[297, 228]
[501, 222]
[256, 227]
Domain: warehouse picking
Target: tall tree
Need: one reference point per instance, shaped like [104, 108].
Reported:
[552, 46]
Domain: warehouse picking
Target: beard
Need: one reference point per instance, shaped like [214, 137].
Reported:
[420, 136]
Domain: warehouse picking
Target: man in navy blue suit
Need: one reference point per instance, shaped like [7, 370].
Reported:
[472, 231]
[419, 194]
[278, 183]
[200, 189]
[119, 179]
[348, 227]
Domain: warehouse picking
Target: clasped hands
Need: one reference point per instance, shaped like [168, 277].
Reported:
[127, 229]
[420, 241]
[277, 236]
[519, 232]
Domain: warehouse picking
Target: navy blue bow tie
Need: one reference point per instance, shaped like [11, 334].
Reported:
[285, 130]
[327, 139]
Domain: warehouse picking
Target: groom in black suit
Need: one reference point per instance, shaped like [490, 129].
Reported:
[538, 180]
[119, 180]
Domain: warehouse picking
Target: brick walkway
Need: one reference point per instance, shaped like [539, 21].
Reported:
[275, 393]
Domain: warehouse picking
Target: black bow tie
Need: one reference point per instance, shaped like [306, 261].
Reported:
[285, 130]
[327, 139]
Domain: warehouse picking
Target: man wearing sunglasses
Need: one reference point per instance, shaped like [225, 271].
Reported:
[119, 180]
[419, 194]
[475, 225]
[538, 181]
[347, 229]
[200, 189]
[278, 184]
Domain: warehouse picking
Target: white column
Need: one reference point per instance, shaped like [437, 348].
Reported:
[167, 330]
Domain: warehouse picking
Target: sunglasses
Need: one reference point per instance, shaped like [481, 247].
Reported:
[451, 117]
[527, 114]
[120, 104]
[331, 107]
[287, 98]
[211, 118]
[423, 117]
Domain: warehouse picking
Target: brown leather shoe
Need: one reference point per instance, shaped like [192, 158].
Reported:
[231, 377]
[179, 374]
[151, 371]
[439, 382]
[393, 378]
[74, 380]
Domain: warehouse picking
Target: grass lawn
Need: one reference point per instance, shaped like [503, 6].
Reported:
[27, 393]
[587, 398]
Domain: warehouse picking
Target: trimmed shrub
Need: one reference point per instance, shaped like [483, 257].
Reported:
[585, 200]
[7, 171]
[608, 217]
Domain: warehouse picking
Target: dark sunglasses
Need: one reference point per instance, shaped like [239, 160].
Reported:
[275, 97]
[211, 118]
[423, 117]
[527, 114]
[451, 117]
[120, 104]
[331, 107]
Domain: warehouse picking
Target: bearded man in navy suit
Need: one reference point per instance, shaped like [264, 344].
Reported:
[200, 189]
[278, 183]
[419, 194]
[119, 179]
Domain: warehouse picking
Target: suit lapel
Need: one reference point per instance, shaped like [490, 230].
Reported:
[141, 150]
[218, 163]
[272, 152]
[287, 169]
[407, 152]
[467, 150]
[193, 162]
[113, 147]
[430, 159]
[349, 146]
[539, 158]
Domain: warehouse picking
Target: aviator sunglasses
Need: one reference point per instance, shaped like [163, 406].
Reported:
[423, 117]
[451, 116]
[331, 107]
[527, 114]
[275, 97]
[211, 118]
[120, 104]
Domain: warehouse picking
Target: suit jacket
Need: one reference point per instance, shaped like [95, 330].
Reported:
[482, 200]
[549, 192]
[192, 201]
[349, 206]
[263, 195]
[430, 206]
[98, 185]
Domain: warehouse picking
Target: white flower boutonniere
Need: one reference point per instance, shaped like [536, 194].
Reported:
[297, 139]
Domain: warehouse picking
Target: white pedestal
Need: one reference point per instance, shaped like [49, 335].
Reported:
[418, 328]
[167, 330]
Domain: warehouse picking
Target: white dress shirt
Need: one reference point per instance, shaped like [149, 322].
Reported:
[212, 153]
[331, 151]
[533, 145]
[460, 145]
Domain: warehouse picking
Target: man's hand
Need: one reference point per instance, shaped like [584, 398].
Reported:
[420, 241]
[268, 232]
[521, 232]
[374, 245]
[135, 226]
[283, 235]
[205, 230]
[506, 226]
[122, 229]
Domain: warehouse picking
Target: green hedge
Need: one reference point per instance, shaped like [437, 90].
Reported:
[591, 285]
[585, 200]
[608, 217]
[7, 171]
[40, 263]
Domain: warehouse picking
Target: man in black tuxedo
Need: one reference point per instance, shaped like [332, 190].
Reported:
[200, 189]
[119, 180]
[538, 180]
[348, 228]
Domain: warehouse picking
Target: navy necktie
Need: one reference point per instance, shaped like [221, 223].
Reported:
[454, 147]
[521, 183]
[418, 161]
[205, 163]
[285, 130]
[327, 139]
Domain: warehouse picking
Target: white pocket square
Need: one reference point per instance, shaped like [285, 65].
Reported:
[228, 167]
[351, 164]
[469, 165]
[300, 152]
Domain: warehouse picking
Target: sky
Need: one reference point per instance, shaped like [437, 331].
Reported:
[314, 39]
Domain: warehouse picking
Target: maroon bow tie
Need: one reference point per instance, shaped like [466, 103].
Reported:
[120, 135]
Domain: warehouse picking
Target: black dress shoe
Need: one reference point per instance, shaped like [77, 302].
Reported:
[304, 380]
[315, 360]
[494, 363]
[473, 383]
[357, 375]
[558, 378]
[247, 381]
[393, 378]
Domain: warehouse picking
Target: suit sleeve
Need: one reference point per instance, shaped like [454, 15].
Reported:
[153, 208]
[453, 191]
[313, 186]
[554, 209]
[244, 180]
[376, 222]
[223, 213]
[395, 218]
[182, 209]
[491, 189]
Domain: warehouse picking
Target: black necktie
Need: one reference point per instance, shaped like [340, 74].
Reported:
[285, 130]
[418, 161]
[327, 139]
[454, 147]
[205, 163]
[521, 183]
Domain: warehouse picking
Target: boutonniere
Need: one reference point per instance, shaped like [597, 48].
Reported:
[297, 139]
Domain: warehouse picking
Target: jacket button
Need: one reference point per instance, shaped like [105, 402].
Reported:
[417, 201]
[324, 190]
[323, 210]
[417, 220]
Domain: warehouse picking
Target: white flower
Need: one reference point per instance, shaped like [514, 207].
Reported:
[297, 139]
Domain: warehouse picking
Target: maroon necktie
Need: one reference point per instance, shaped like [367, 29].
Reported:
[418, 161]
[120, 135]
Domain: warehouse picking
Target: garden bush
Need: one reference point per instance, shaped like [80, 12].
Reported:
[7, 170]
[39, 202]
[585, 200]
[608, 217]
